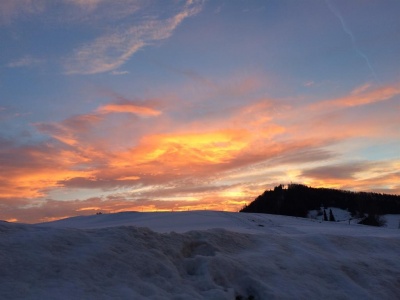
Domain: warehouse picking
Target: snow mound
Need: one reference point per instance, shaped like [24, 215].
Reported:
[259, 257]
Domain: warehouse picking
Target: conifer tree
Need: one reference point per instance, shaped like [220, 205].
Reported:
[325, 216]
[331, 216]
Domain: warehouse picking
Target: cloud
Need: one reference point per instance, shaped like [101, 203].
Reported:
[70, 130]
[119, 72]
[159, 158]
[363, 95]
[68, 10]
[30, 170]
[26, 61]
[347, 118]
[10, 9]
[191, 148]
[99, 181]
[132, 160]
[339, 171]
[112, 46]
[375, 176]
[304, 155]
[112, 50]
[117, 124]
[50, 209]
[128, 108]
[384, 182]
[89, 4]
[188, 195]
[107, 152]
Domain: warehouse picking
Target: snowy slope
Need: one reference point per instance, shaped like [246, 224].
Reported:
[198, 255]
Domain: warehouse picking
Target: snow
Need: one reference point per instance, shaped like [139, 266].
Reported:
[198, 255]
[341, 215]
[392, 221]
[344, 216]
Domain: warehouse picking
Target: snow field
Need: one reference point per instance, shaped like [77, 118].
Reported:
[263, 256]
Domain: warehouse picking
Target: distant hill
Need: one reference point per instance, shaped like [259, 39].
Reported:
[298, 200]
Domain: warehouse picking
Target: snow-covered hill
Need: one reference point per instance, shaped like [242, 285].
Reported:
[198, 255]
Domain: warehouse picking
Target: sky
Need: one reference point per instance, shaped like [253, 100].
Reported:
[145, 105]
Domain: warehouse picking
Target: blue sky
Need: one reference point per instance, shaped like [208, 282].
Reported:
[175, 105]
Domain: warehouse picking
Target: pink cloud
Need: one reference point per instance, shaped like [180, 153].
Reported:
[10, 9]
[217, 160]
[129, 108]
[30, 171]
[363, 95]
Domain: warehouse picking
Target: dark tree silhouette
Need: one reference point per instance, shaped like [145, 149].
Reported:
[298, 200]
[331, 216]
[325, 216]
[373, 220]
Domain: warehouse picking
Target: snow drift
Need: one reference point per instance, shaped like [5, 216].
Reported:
[251, 256]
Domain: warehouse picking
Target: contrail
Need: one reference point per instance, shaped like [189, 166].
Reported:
[337, 13]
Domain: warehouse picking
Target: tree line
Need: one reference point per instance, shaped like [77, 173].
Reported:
[298, 199]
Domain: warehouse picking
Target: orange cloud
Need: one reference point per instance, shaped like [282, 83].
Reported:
[362, 95]
[31, 171]
[68, 131]
[202, 150]
[191, 196]
[218, 159]
[34, 183]
[243, 137]
[382, 176]
[158, 153]
[48, 210]
[129, 108]
[336, 121]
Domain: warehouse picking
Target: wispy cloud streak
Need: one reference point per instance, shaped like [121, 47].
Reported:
[346, 29]
[129, 108]
[112, 50]
[25, 61]
[363, 95]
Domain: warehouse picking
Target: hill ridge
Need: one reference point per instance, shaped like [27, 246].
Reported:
[298, 199]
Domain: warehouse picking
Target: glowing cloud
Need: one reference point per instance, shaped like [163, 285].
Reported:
[129, 108]
[187, 150]
[362, 95]
[39, 170]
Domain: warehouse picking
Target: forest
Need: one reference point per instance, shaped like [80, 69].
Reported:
[298, 199]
